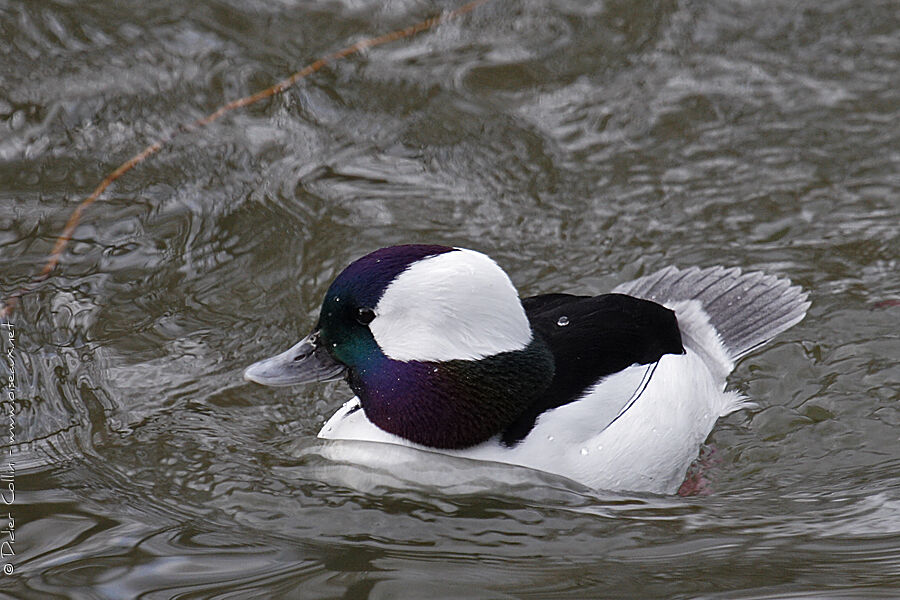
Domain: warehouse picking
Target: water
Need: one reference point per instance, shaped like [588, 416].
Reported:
[580, 145]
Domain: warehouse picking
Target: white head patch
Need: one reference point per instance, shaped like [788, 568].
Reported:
[456, 305]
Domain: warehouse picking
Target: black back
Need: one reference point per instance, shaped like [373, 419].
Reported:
[601, 335]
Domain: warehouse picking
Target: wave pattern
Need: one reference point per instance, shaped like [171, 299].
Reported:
[581, 145]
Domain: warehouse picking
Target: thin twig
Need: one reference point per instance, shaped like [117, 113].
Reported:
[9, 305]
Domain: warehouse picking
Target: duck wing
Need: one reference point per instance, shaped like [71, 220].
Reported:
[593, 337]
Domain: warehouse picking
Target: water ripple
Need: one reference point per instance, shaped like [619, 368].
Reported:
[580, 144]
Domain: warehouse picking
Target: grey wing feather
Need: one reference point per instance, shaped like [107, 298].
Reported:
[746, 309]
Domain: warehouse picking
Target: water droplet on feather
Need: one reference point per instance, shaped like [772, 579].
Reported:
[563, 321]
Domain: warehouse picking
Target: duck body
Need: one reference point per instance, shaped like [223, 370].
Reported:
[615, 391]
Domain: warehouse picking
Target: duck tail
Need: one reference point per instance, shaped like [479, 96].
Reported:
[746, 309]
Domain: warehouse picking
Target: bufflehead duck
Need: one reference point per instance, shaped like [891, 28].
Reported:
[616, 391]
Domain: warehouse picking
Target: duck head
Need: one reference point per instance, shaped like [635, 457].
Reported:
[433, 340]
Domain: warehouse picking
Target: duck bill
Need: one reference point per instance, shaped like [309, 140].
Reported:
[304, 362]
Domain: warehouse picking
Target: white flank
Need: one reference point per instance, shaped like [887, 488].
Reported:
[456, 305]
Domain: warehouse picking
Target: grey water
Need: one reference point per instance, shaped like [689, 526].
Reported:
[580, 144]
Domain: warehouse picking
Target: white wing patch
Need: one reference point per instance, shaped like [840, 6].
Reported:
[645, 379]
[598, 408]
[456, 305]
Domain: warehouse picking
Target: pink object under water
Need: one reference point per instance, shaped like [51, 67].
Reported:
[695, 483]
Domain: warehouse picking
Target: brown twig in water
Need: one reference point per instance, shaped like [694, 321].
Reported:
[12, 301]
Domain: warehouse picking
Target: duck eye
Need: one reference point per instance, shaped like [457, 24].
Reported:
[365, 315]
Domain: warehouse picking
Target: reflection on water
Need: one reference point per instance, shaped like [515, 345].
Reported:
[579, 144]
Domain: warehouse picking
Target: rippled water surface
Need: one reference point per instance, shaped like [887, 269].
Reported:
[578, 143]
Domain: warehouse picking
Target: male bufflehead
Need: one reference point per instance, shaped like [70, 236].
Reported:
[616, 391]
